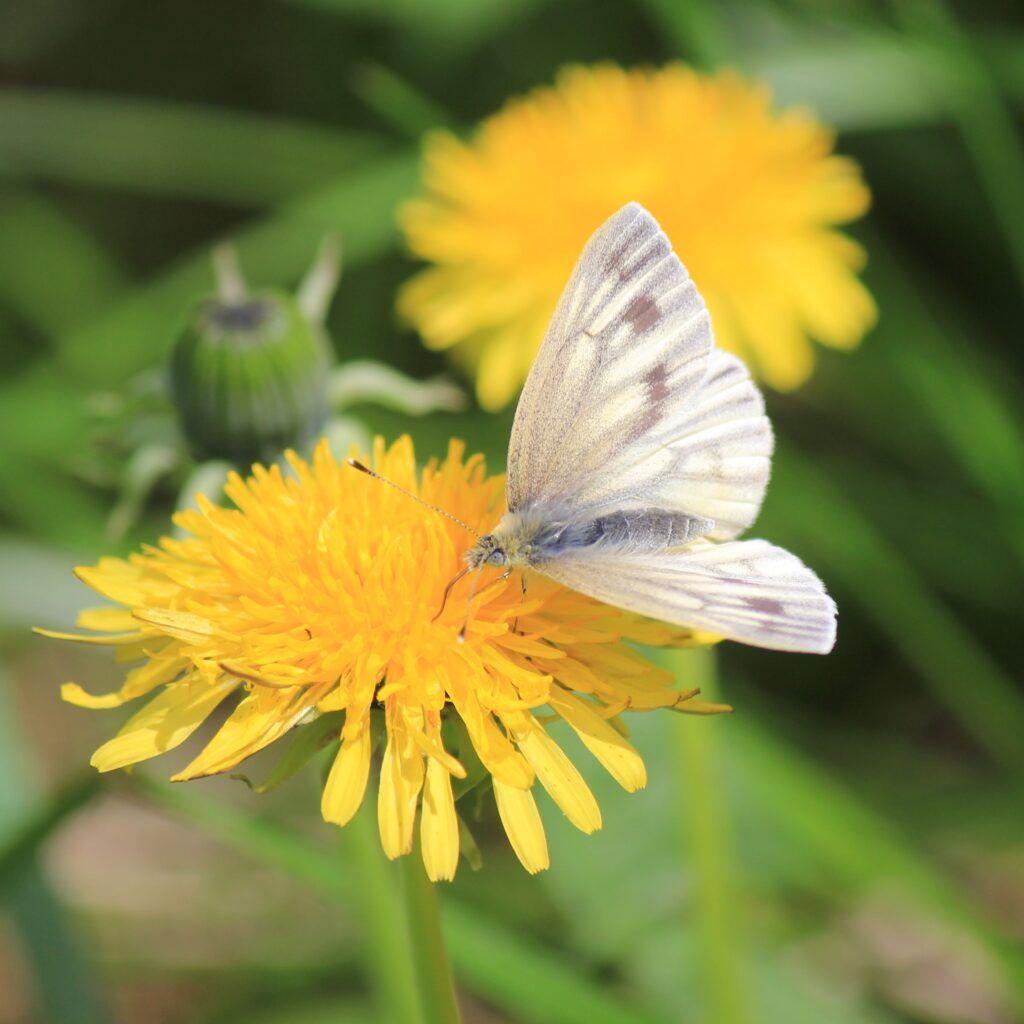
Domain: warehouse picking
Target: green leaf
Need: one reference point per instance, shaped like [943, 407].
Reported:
[80, 275]
[340, 1010]
[65, 992]
[160, 147]
[389, 958]
[946, 364]
[694, 30]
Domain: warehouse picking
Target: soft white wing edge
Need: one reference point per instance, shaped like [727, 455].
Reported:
[750, 591]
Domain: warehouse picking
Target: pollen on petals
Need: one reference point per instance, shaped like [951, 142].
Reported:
[318, 593]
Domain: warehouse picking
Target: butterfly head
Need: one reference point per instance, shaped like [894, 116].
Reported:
[488, 550]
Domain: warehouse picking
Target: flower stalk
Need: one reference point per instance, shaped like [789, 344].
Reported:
[429, 955]
[389, 951]
[704, 823]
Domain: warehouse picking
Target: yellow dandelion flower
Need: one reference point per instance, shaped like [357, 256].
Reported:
[319, 593]
[749, 198]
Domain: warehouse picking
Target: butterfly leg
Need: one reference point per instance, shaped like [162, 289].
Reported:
[522, 585]
[472, 593]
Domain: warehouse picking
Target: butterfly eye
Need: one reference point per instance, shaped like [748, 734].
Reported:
[497, 557]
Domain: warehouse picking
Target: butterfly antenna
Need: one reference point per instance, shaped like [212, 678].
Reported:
[355, 464]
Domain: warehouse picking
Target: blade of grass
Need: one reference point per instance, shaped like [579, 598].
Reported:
[18, 847]
[856, 81]
[973, 100]
[527, 983]
[79, 278]
[945, 367]
[448, 25]
[850, 838]
[695, 29]
[139, 329]
[960, 672]
[928, 377]
[65, 991]
[649, 930]
[398, 103]
[152, 146]
[920, 520]
[530, 985]
[852, 70]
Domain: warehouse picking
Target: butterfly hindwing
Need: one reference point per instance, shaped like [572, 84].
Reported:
[747, 590]
[718, 453]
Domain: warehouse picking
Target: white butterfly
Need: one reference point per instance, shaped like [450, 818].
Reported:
[640, 451]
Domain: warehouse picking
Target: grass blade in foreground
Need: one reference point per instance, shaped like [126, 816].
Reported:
[65, 991]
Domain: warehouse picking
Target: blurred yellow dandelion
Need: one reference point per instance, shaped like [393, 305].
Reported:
[750, 200]
[318, 593]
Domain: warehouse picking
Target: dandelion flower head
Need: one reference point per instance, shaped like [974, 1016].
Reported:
[750, 199]
[319, 593]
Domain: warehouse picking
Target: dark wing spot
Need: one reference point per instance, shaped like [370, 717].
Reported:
[765, 605]
[642, 313]
[656, 380]
[658, 390]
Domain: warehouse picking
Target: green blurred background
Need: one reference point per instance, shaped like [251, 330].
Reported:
[847, 848]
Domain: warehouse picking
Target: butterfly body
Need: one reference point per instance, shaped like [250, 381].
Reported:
[640, 452]
[531, 538]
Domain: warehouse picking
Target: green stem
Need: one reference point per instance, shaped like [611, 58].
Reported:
[389, 954]
[705, 824]
[430, 960]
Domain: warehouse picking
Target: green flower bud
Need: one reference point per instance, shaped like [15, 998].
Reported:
[249, 375]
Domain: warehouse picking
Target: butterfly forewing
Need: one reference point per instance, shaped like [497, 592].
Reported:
[628, 342]
[716, 456]
[628, 405]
